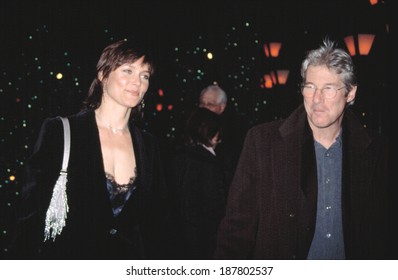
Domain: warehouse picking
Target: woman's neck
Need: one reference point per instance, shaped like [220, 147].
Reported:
[114, 120]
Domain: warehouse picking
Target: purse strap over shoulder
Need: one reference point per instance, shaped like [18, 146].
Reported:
[65, 160]
[58, 209]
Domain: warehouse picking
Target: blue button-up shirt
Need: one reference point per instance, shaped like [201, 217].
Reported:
[328, 242]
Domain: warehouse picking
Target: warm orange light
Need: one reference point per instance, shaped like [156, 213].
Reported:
[12, 178]
[373, 2]
[365, 42]
[267, 81]
[349, 41]
[275, 48]
[159, 107]
[282, 76]
[272, 49]
[160, 92]
[170, 107]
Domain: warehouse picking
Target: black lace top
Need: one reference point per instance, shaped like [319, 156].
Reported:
[119, 193]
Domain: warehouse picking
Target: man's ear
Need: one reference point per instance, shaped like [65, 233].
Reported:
[351, 94]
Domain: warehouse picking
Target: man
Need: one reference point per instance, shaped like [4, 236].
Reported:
[213, 98]
[313, 186]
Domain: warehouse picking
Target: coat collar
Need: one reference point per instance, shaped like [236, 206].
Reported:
[295, 155]
[352, 128]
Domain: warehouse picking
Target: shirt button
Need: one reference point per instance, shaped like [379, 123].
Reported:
[113, 231]
[291, 215]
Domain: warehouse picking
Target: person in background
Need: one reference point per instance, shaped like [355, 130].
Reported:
[115, 189]
[315, 185]
[214, 98]
[200, 183]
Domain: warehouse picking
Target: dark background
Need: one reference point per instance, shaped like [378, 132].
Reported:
[42, 38]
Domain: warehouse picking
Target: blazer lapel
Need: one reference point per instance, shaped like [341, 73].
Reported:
[134, 200]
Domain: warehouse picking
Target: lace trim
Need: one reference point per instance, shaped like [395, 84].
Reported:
[120, 188]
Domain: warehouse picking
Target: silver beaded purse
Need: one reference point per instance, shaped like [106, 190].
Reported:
[57, 211]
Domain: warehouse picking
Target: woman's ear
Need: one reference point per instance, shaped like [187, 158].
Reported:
[100, 76]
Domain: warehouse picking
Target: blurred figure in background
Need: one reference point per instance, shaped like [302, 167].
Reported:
[214, 98]
[200, 183]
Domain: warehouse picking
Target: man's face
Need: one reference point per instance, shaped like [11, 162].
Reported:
[209, 101]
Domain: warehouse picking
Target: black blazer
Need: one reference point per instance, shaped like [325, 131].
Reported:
[91, 231]
[201, 187]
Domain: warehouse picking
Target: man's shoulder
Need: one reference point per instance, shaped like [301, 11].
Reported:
[266, 127]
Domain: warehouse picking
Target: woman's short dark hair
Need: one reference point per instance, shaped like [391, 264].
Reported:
[112, 57]
[202, 126]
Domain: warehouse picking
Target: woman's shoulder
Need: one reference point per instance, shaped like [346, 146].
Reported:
[53, 120]
[50, 125]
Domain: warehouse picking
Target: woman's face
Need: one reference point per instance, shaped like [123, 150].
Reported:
[127, 84]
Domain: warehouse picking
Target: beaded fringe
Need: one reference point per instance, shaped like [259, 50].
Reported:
[58, 209]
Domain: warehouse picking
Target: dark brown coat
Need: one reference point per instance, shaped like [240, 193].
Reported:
[271, 206]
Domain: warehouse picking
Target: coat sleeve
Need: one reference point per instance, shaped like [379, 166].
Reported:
[236, 233]
[40, 174]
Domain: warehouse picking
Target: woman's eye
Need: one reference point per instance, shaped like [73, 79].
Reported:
[145, 76]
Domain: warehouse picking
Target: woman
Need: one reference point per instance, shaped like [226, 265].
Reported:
[200, 181]
[115, 189]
